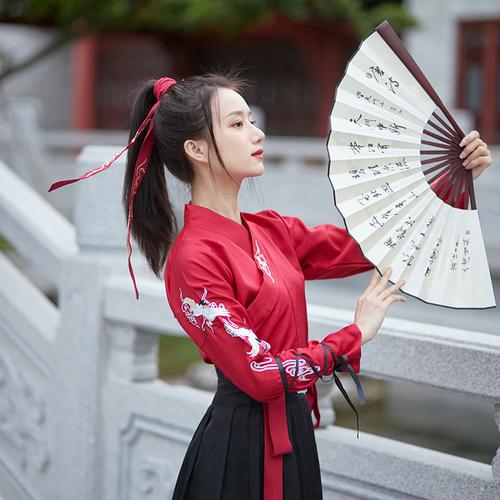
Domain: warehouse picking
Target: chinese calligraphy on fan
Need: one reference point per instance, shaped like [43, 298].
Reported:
[378, 102]
[455, 261]
[374, 170]
[380, 76]
[374, 194]
[391, 211]
[371, 148]
[375, 124]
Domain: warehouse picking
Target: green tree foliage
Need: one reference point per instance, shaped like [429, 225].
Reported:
[189, 17]
[226, 18]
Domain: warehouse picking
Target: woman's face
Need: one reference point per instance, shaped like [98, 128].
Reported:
[236, 135]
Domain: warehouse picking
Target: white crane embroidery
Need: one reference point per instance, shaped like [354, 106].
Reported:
[261, 261]
[304, 370]
[209, 311]
[257, 345]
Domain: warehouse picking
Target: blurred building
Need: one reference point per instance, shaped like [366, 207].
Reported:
[294, 65]
[457, 46]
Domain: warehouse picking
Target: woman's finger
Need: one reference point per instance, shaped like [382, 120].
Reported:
[473, 134]
[383, 280]
[482, 161]
[479, 151]
[394, 298]
[392, 289]
[472, 147]
[373, 280]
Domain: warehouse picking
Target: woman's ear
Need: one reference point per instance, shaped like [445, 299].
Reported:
[196, 150]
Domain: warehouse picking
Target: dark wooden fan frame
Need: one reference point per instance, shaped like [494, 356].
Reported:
[445, 159]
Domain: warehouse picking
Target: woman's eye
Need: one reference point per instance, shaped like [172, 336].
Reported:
[253, 122]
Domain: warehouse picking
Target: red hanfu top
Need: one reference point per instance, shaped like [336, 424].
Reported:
[238, 291]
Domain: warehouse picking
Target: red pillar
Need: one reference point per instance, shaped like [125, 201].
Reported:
[323, 55]
[83, 83]
[489, 65]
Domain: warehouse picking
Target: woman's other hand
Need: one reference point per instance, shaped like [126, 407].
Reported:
[475, 155]
[373, 304]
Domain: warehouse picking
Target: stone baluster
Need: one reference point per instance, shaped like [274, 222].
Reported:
[325, 391]
[495, 464]
[82, 348]
[133, 353]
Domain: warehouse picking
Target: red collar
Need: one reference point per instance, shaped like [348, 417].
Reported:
[205, 218]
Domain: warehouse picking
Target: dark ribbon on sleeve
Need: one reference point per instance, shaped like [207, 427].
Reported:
[340, 364]
[282, 372]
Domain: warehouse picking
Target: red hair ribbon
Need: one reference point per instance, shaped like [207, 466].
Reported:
[141, 165]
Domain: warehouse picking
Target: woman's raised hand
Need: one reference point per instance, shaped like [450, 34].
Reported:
[373, 303]
[475, 154]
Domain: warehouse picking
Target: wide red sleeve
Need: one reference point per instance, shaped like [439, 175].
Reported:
[326, 250]
[200, 294]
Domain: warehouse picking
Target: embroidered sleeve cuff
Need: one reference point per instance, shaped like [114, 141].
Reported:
[346, 342]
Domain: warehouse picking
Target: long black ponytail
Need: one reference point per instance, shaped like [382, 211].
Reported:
[184, 113]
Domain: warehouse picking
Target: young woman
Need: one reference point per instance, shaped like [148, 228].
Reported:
[235, 282]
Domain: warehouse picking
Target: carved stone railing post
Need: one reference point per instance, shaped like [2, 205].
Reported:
[81, 348]
[133, 353]
[325, 403]
[495, 465]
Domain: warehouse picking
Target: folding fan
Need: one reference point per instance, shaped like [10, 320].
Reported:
[389, 130]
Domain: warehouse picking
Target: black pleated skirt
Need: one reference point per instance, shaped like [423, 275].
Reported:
[225, 458]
